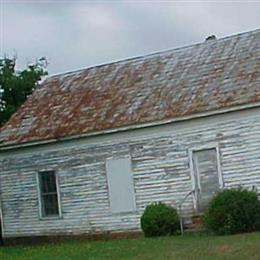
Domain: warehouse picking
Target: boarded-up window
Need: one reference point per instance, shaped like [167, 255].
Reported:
[120, 185]
[48, 194]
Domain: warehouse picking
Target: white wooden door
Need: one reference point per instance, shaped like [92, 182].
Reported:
[206, 176]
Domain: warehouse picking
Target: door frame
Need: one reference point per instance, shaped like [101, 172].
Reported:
[1, 224]
[192, 172]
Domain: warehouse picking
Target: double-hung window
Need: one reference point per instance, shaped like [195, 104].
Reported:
[49, 201]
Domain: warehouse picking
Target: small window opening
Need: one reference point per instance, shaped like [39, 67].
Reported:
[48, 194]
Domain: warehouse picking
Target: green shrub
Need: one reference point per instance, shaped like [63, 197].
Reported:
[159, 219]
[233, 211]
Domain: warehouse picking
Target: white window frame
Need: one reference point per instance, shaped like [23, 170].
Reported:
[192, 173]
[41, 215]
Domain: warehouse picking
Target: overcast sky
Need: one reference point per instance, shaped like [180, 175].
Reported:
[76, 34]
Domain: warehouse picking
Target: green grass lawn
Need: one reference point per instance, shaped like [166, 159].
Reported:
[244, 246]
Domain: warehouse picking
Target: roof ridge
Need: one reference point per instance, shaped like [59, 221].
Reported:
[73, 72]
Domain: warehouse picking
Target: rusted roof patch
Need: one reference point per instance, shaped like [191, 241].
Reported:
[205, 77]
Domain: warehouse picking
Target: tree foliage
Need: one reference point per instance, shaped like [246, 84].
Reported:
[15, 85]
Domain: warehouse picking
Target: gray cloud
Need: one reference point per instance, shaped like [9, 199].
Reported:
[75, 34]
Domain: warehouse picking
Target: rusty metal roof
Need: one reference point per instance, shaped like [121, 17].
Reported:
[208, 76]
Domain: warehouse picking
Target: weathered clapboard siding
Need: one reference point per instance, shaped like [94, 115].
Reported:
[160, 164]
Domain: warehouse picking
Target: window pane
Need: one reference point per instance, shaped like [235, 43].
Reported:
[50, 205]
[48, 189]
[48, 182]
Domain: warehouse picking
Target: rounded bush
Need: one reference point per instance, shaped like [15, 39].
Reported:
[233, 211]
[159, 219]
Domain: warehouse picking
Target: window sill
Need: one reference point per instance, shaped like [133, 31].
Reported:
[56, 217]
[118, 213]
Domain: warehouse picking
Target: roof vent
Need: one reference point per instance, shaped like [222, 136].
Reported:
[211, 37]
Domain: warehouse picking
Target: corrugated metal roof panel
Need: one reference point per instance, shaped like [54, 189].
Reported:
[209, 76]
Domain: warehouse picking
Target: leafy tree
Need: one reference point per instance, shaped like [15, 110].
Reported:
[15, 85]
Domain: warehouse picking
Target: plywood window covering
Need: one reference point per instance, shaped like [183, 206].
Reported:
[48, 193]
[120, 185]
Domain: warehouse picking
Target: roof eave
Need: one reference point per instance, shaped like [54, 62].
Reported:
[4, 147]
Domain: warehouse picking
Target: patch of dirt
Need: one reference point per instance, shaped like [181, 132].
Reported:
[224, 249]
